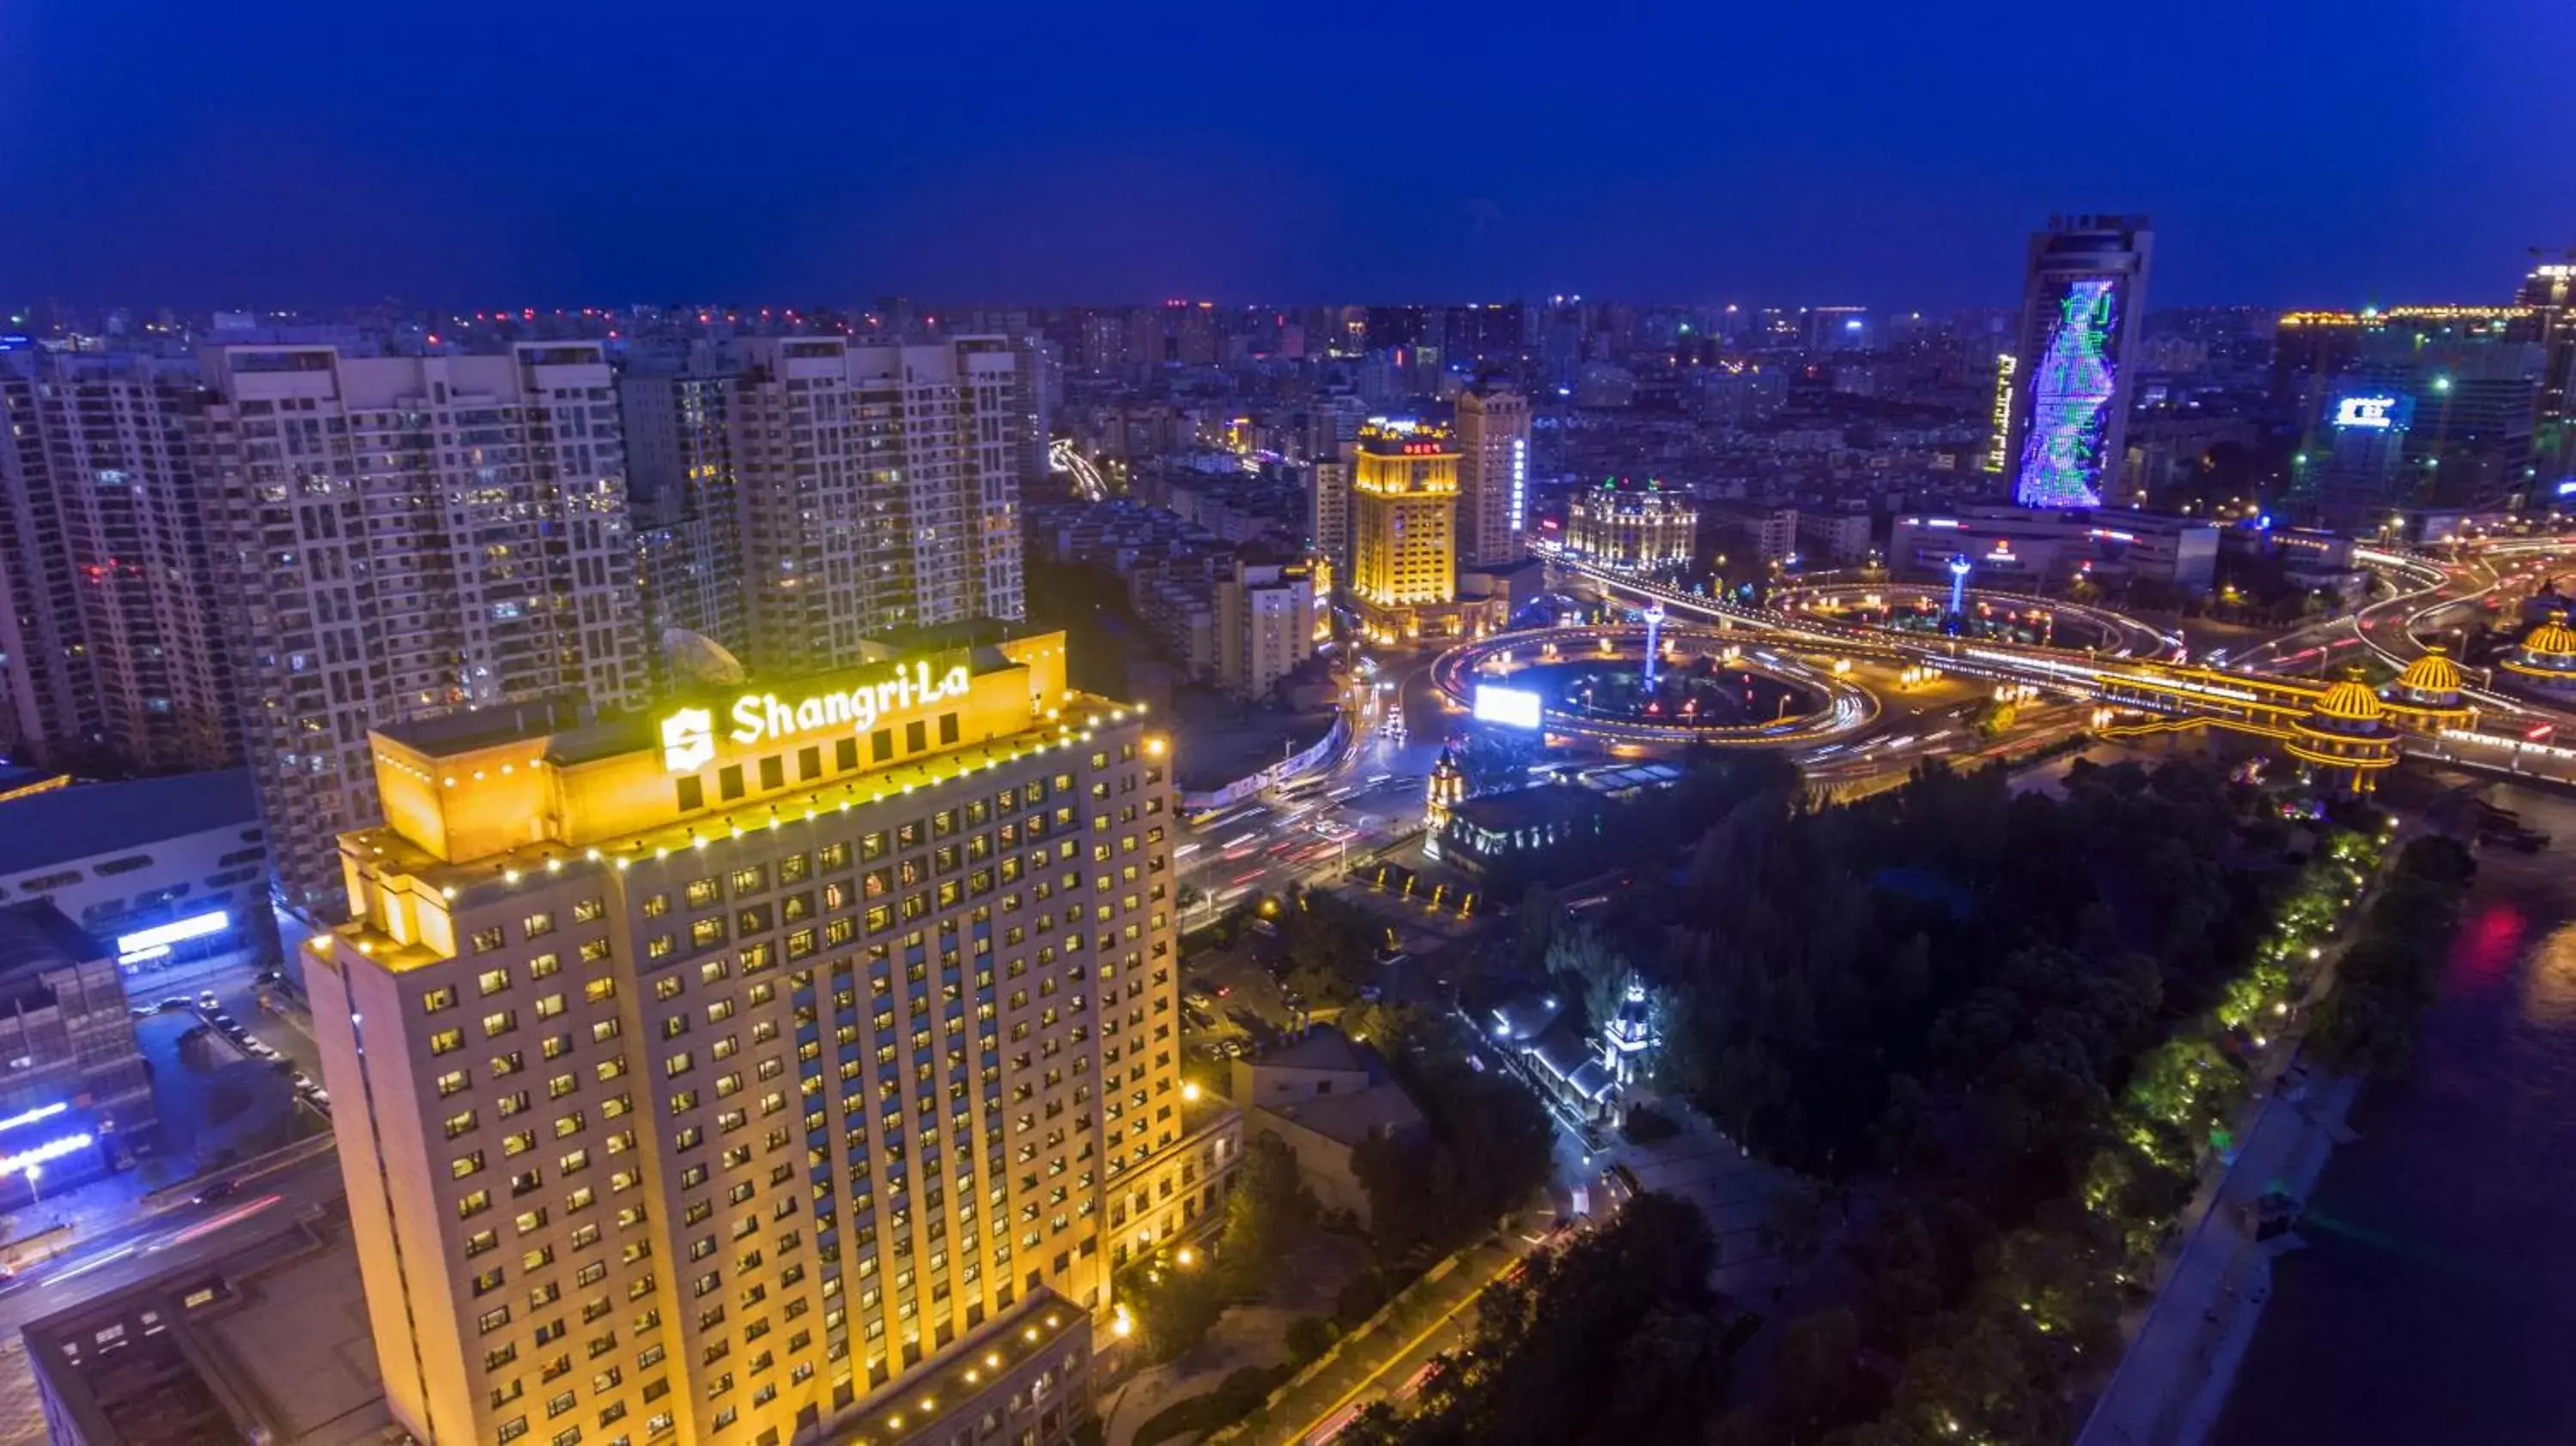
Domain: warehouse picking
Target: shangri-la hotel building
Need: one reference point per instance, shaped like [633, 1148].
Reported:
[795, 1063]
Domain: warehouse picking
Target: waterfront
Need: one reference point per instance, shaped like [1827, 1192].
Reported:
[2437, 1295]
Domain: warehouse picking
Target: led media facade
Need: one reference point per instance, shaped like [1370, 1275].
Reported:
[2072, 395]
[2082, 295]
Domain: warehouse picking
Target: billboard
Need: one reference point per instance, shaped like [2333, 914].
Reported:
[1511, 707]
[2373, 412]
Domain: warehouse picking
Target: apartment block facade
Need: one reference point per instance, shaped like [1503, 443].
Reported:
[108, 641]
[403, 537]
[879, 490]
[1493, 475]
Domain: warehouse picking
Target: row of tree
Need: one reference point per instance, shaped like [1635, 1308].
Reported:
[1614, 1340]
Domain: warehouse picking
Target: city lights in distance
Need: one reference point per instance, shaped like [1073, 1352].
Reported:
[1511, 707]
[2375, 414]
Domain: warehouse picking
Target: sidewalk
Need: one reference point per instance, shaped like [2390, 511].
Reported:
[2175, 1376]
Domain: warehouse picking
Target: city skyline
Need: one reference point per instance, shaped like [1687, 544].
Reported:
[1790, 162]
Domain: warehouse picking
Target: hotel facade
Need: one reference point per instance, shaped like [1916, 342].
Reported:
[796, 1064]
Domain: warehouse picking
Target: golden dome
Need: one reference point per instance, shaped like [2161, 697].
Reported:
[2350, 701]
[2552, 639]
[2431, 673]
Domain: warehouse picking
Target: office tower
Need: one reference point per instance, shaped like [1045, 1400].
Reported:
[2434, 411]
[1493, 474]
[2550, 292]
[1267, 614]
[108, 649]
[797, 1064]
[683, 493]
[403, 537]
[2082, 296]
[878, 491]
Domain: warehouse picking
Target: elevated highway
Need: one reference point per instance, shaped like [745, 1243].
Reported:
[2342, 728]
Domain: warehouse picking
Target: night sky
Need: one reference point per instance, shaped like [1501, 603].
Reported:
[1884, 152]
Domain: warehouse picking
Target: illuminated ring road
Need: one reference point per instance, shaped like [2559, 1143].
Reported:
[1088, 484]
[2414, 576]
[2126, 636]
[1848, 708]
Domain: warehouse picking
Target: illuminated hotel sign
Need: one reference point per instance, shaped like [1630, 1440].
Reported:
[1998, 448]
[688, 734]
[2376, 414]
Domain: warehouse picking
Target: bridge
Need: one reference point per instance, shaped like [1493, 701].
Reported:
[2344, 729]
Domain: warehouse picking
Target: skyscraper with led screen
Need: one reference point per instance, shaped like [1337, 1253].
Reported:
[2082, 295]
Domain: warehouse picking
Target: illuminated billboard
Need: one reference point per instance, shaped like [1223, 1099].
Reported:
[2377, 412]
[1511, 707]
[154, 942]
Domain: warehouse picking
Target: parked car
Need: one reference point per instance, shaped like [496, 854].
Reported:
[207, 1000]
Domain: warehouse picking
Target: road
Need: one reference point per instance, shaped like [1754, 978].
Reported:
[1370, 795]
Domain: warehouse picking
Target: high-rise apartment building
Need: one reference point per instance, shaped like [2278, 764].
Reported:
[107, 629]
[1493, 475]
[683, 491]
[2083, 294]
[403, 537]
[878, 489]
[1267, 618]
[797, 1064]
[1328, 511]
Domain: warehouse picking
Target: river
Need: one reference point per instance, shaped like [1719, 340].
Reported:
[2436, 1302]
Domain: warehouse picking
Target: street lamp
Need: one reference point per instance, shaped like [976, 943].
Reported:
[34, 1173]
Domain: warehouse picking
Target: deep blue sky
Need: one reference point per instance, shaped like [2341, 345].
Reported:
[1889, 152]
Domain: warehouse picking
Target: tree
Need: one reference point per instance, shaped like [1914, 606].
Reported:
[1580, 958]
[1484, 1148]
[1629, 1304]
[1534, 929]
[1173, 1308]
[1818, 1384]
[1267, 1213]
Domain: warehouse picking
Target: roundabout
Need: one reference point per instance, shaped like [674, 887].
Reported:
[1704, 686]
[2004, 617]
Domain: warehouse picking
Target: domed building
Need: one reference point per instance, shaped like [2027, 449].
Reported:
[2426, 698]
[2347, 731]
[2545, 659]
